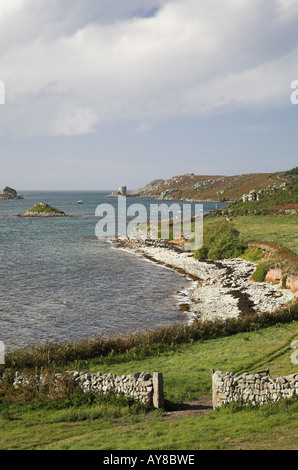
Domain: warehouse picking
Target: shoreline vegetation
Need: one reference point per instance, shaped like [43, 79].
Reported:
[145, 343]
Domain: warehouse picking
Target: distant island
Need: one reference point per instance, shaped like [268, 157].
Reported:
[44, 210]
[213, 188]
[9, 193]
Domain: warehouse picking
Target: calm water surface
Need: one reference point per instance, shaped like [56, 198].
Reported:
[59, 281]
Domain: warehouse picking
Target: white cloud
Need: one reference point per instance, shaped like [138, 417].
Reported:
[188, 57]
[10, 7]
[72, 120]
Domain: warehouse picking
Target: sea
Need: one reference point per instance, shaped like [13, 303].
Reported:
[59, 281]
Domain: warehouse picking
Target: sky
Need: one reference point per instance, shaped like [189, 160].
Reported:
[103, 93]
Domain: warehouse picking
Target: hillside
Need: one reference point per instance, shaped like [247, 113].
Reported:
[212, 188]
[291, 175]
[272, 200]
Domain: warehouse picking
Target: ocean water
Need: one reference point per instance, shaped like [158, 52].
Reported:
[59, 281]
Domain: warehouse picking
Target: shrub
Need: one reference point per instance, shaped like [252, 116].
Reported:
[221, 240]
[261, 271]
[252, 254]
[284, 281]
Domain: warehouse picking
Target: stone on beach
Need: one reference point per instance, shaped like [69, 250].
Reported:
[223, 289]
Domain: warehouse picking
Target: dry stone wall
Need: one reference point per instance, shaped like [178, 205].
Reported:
[140, 386]
[255, 389]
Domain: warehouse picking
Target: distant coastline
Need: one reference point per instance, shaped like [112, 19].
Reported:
[211, 188]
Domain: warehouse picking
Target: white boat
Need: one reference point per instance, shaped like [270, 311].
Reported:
[80, 202]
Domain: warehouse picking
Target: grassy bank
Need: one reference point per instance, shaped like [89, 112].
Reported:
[281, 229]
[78, 422]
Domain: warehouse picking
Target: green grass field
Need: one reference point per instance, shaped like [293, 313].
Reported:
[70, 424]
[281, 229]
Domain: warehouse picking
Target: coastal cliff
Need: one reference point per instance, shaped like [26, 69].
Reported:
[210, 188]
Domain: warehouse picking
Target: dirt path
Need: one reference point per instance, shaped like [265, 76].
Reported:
[192, 409]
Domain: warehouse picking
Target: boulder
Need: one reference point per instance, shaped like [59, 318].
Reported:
[9, 193]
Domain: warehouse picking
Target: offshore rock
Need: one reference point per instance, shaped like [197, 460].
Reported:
[43, 210]
[9, 193]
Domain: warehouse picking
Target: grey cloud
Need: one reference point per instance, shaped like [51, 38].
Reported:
[76, 64]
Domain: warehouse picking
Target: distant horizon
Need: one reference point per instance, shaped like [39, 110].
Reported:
[132, 91]
[67, 190]
[139, 187]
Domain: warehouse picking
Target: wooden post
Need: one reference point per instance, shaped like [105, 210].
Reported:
[158, 397]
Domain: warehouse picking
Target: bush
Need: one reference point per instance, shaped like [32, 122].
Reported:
[252, 254]
[284, 281]
[221, 240]
[261, 271]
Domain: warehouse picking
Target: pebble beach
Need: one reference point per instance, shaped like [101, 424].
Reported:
[220, 289]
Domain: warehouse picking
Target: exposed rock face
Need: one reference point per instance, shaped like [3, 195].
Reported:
[274, 275]
[287, 281]
[292, 283]
[9, 193]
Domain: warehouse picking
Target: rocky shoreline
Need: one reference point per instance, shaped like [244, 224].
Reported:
[10, 193]
[221, 289]
[43, 214]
